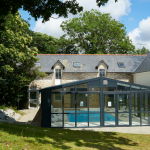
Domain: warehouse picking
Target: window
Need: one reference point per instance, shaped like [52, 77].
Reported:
[57, 97]
[58, 73]
[102, 72]
[37, 64]
[76, 64]
[121, 64]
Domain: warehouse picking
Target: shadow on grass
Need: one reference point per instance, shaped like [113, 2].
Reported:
[69, 139]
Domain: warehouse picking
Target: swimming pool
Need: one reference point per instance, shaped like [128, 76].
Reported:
[92, 117]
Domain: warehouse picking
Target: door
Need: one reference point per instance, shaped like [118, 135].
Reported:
[57, 76]
[123, 109]
[109, 112]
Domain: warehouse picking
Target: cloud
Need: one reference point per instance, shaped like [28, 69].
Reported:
[116, 10]
[141, 34]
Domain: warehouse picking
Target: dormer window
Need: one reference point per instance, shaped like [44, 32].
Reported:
[37, 64]
[102, 72]
[76, 64]
[121, 64]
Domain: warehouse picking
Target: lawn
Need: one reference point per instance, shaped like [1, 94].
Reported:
[22, 137]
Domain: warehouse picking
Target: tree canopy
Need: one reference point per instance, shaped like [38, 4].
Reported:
[141, 51]
[17, 60]
[95, 32]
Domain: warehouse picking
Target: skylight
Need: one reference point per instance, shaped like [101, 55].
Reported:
[121, 64]
[37, 64]
[76, 64]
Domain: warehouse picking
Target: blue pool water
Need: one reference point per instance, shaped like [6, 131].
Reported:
[92, 117]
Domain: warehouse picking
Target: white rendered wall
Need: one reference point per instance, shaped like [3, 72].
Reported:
[142, 78]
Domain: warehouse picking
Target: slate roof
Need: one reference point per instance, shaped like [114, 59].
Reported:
[88, 62]
[145, 65]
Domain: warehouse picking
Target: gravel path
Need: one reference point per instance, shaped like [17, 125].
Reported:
[28, 117]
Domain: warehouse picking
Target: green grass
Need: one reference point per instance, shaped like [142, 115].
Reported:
[13, 108]
[18, 137]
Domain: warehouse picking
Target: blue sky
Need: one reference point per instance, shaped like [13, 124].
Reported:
[134, 14]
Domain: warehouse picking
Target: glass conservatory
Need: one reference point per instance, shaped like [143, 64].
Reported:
[97, 102]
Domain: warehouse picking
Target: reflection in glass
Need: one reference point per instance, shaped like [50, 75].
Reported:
[109, 89]
[145, 118]
[109, 119]
[109, 102]
[57, 90]
[56, 120]
[94, 102]
[123, 118]
[135, 99]
[69, 120]
[69, 89]
[135, 119]
[94, 88]
[82, 87]
[32, 95]
[135, 88]
[123, 102]
[94, 119]
[56, 105]
[123, 87]
[145, 102]
[69, 103]
[82, 102]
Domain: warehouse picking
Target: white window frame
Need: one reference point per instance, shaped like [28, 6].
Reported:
[57, 100]
[58, 74]
[102, 71]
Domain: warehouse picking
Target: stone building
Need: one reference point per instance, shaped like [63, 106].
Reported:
[65, 68]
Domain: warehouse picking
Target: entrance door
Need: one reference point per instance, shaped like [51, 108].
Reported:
[123, 109]
[109, 113]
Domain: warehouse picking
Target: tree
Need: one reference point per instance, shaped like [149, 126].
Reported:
[98, 33]
[45, 44]
[16, 59]
[141, 51]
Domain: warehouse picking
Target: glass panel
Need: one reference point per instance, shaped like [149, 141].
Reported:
[109, 102]
[56, 120]
[102, 72]
[32, 95]
[135, 119]
[82, 103]
[145, 102]
[123, 103]
[109, 119]
[69, 89]
[82, 87]
[69, 103]
[82, 120]
[145, 118]
[56, 106]
[58, 73]
[94, 103]
[123, 118]
[57, 90]
[69, 120]
[76, 64]
[135, 97]
[123, 87]
[135, 88]
[94, 120]
[144, 89]
[94, 88]
[109, 89]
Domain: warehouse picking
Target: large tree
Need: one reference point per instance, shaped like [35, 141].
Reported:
[141, 51]
[17, 60]
[98, 33]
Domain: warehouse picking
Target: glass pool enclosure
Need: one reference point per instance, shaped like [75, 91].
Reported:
[96, 102]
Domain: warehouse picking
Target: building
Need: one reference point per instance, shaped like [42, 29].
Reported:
[66, 68]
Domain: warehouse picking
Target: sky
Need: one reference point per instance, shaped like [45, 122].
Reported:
[134, 14]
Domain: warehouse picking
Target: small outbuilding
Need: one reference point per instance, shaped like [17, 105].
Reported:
[96, 102]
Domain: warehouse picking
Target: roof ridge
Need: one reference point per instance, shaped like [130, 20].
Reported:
[95, 54]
